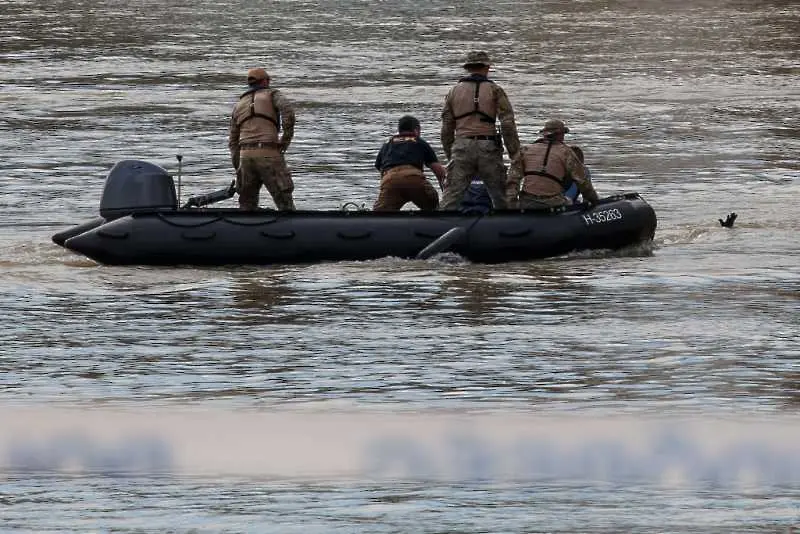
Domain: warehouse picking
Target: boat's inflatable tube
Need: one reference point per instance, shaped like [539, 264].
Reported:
[140, 223]
[61, 237]
[229, 236]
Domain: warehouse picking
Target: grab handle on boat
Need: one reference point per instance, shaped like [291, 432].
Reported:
[198, 235]
[113, 234]
[348, 205]
[517, 233]
[354, 235]
[289, 234]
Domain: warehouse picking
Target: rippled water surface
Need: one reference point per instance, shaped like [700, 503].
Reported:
[695, 105]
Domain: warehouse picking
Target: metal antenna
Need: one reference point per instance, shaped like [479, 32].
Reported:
[180, 159]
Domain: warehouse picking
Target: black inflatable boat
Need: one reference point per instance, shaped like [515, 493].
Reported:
[141, 223]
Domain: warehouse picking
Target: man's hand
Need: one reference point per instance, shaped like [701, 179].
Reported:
[440, 172]
[237, 183]
[512, 197]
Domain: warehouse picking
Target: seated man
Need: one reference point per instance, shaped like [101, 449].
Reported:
[401, 160]
[476, 198]
[545, 169]
[572, 191]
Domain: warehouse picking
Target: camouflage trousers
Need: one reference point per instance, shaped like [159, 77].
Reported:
[475, 158]
[533, 202]
[402, 184]
[271, 172]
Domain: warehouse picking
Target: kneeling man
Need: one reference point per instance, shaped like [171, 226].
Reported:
[401, 161]
[544, 170]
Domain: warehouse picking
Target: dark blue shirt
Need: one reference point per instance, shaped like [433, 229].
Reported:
[405, 149]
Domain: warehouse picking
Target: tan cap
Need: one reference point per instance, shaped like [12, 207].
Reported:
[257, 75]
[553, 126]
[477, 58]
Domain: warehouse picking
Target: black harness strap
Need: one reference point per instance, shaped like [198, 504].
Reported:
[562, 182]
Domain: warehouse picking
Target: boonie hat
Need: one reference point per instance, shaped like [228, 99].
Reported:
[477, 58]
[553, 126]
[257, 75]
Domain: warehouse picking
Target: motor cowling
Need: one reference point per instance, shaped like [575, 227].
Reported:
[134, 186]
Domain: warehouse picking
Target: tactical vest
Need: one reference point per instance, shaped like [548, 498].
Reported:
[473, 106]
[256, 117]
[546, 159]
[399, 139]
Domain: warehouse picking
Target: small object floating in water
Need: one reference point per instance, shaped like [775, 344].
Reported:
[729, 220]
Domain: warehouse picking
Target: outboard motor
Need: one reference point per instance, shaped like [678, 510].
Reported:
[134, 186]
[131, 186]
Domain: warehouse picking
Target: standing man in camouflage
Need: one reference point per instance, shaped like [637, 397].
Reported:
[546, 168]
[469, 137]
[256, 150]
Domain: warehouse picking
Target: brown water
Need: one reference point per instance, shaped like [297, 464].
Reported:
[693, 105]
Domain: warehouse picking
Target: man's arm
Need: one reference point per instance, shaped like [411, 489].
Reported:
[431, 160]
[577, 172]
[508, 124]
[440, 172]
[514, 179]
[286, 109]
[233, 142]
[379, 158]
[448, 133]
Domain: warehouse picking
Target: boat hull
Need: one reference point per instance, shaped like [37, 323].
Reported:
[229, 236]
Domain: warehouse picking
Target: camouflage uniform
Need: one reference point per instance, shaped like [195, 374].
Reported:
[546, 168]
[469, 136]
[256, 150]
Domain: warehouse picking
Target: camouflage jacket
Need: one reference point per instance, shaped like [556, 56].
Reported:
[493, 98]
